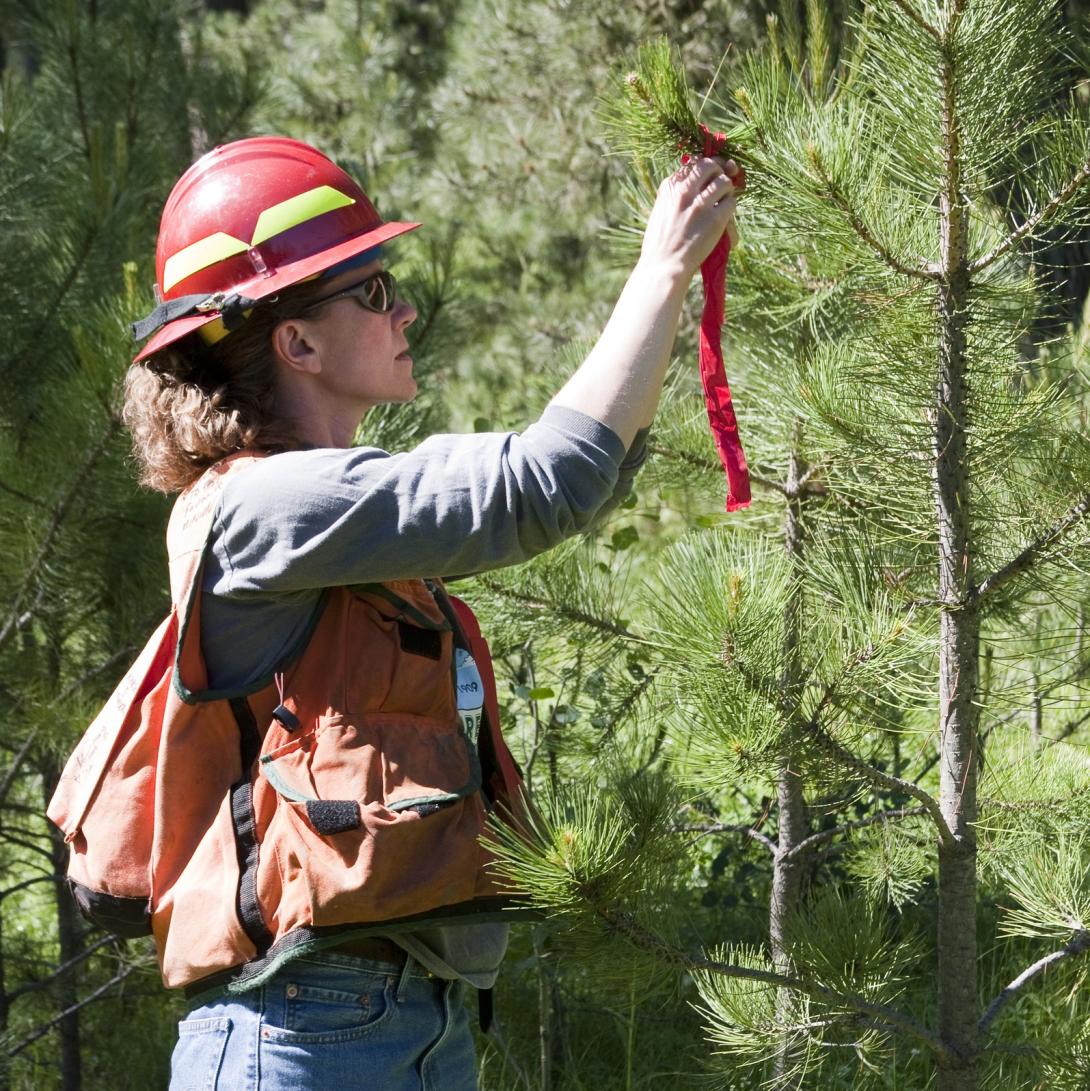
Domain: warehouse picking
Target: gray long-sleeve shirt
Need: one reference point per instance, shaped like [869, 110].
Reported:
[301, 521]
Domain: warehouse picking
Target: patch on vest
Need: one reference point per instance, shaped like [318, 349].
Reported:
[330, 816]
[426, 642]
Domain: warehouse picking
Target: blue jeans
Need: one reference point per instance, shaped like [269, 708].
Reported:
[330, 1021]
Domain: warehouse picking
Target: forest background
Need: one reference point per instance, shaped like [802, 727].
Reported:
[689, 822]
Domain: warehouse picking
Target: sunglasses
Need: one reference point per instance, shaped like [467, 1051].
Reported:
[377, 293]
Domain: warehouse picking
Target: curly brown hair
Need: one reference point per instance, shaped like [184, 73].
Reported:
[191, 404]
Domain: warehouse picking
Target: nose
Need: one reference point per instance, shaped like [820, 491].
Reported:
[404, 314]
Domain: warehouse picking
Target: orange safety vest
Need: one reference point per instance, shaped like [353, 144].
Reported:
[344, 796]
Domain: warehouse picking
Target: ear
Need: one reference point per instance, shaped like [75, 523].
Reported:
[294, 345]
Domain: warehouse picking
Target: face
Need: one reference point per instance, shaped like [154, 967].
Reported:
[352, 355]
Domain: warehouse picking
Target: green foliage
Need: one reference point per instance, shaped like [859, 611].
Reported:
[893, 862]
[806, 660]
[651, 114]
[655, 692]
[851, 948]
[592, 857]
[1049, 886]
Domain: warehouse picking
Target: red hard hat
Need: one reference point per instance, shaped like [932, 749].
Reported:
[246, 220]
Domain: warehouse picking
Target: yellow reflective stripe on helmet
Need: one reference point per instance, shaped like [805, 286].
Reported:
[273, 221]
[298, 209]
[199, 255]
[212, 332]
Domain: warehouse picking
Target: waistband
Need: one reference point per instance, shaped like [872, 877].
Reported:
[379, 951]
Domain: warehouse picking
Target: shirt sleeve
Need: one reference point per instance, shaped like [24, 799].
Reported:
[456, 503]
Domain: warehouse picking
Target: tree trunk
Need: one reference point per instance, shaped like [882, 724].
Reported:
[71, 944]
[551, 1029]
[794, 821]
[959, 647]
[5, 1003]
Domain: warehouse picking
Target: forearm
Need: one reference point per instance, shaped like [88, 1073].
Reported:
[620, 381]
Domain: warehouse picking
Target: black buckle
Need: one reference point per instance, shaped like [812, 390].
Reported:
[231, 307]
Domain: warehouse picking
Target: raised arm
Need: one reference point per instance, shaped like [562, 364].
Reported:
[621, 379]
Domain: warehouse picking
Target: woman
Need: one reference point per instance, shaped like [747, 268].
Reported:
[279, 328]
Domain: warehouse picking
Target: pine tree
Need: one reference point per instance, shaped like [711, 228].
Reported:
[885, 304]
[101, 107]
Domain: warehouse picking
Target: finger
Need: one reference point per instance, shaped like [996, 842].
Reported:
[724, 214]
[732, 233]
[727, 207]
[698, 172]
[718, 190]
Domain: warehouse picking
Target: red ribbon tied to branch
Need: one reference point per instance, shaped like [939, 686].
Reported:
[721, 417]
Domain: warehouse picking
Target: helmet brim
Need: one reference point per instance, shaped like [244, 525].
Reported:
[263, 285]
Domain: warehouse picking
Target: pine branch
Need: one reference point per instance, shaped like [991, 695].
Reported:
[16, 764]
[813, 728]
[619, 710]
[918, 271]
[77, 92]
[880, 818]
[49, 315]
[1080, 944]
[19, 495]
[1014, 1049]
[60, 512]
[884, 780]
[711, 466]
[558, 609]
[61, 970]
[109, 663]
[24, 749]
[722, 827]
[1058, 199]
[957, 9]
[919, 20]
[1030, 805]
[1069, 728]
[33, 881]
[30, 846]
[47, 1027]
[1032, 553]
[686, 136]
[847, 670]
[624, 925]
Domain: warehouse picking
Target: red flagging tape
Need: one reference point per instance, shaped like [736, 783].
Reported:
[721, 417]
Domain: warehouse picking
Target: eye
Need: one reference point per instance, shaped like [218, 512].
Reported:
[376, 294]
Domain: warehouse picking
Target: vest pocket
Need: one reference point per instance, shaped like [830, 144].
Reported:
[377, 816]
[401, 762]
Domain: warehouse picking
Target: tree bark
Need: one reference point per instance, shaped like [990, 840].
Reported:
[551, 1030]
[959, 642]
[5, 1003]
[71, 944]
[794, 820]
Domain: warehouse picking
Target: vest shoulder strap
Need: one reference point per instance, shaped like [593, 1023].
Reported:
[191, 521]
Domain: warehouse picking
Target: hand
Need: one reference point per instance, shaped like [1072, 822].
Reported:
[694, 207]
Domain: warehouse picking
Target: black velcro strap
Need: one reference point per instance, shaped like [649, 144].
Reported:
[329, 816]
[242, 819]
[485, 1011]
[230, 308]
[417, 641]
[286, 717]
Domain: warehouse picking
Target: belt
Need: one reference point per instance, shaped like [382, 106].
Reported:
[373, 948]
